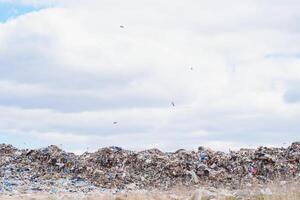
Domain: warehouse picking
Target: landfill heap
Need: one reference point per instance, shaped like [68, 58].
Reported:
[52, 169]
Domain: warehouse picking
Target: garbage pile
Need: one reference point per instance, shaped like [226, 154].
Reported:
[53, 170]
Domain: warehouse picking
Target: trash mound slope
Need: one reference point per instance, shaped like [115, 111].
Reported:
[52, 169]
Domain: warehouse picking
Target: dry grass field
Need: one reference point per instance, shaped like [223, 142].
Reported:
[288, 192]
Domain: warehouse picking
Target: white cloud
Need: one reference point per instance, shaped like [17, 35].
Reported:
[74, 67]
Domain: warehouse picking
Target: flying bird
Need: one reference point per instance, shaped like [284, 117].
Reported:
[121, 26]
[173, 104]
[115, 122]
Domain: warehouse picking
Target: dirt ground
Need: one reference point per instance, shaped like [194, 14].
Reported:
[275, 193]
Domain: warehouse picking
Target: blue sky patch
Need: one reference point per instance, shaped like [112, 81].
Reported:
[12, 10]
[282, 55]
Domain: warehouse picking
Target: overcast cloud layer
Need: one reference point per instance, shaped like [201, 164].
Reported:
[232, 68]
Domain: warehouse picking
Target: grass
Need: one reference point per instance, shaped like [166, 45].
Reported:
[142, 197]
[146, 197]
[288, 192]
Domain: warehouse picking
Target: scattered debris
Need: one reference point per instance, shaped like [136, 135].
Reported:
[54, 170]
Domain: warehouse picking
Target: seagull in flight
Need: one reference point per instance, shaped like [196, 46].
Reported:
[115, 122]
[121, 26]
[173, 104]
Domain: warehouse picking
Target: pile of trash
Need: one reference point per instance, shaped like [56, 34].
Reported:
[53, 170]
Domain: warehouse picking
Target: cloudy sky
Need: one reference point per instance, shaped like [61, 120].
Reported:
[68, 71]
